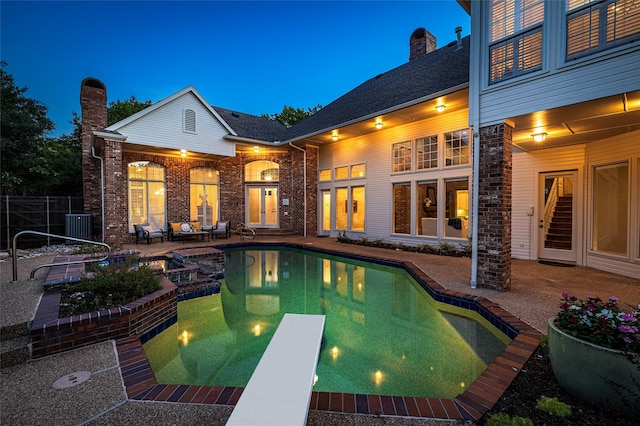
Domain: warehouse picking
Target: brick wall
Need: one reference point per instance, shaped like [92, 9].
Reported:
[93, 103]
[494, 206]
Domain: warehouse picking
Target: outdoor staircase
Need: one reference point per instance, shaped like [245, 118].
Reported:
[560, 229]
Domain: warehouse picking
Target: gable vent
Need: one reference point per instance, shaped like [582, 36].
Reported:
[189, 120]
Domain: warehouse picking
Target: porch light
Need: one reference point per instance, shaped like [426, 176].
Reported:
[441, 108]
[379, 125]
[539, 137]
[256, 149]
[334, 136]
[183, 153]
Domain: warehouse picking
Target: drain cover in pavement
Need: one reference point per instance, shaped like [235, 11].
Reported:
[72, 379]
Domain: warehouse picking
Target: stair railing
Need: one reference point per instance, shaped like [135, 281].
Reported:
[14, 252]
[550, 206]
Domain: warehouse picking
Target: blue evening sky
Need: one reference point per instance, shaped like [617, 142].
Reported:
[253, 57]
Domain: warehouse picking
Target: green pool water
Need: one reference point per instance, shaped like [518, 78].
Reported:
[383, 333]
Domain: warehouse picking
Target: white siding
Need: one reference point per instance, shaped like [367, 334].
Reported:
[526, 169]
[558, 83]
[375, 151]
[627, 147]
[163, 128]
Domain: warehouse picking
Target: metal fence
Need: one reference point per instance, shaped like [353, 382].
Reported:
[42, 214]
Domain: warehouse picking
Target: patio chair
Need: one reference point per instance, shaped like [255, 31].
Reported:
[223, 227]
[146, 232]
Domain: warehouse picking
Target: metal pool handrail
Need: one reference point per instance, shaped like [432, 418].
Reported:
[14, 249]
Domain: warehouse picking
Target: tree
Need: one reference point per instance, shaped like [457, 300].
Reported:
[23, 129]
[119, 110]
[290, 115]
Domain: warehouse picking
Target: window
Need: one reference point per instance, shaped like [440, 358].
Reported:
[325, 175]
[515, 38]
[456, 208]
[147, 202]
[342, 208]
[204, 195]
[610, 208]
[342, 172]
[189, 121]
[427, 149]
[456, 147]
[594, 25]
[261, 171]
[402, 208]
[357, 208]
[427, 208]
[357, 171]
[401, 156]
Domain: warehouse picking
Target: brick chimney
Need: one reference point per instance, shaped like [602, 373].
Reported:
[93, 106]
[421, 43]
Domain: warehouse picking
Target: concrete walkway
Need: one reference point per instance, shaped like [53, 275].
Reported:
[27, 396]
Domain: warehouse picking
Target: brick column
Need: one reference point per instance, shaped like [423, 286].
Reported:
[494, 207]
[116, 203]
[311, 202]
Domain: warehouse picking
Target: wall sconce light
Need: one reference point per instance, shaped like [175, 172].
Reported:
[334, 136]
[183, 153]
[256, 149]
[440, 108]
[379, 125]
[539, 137]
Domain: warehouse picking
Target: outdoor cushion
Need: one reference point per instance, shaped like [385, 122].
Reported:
[149, 229]
[221, 226]
[175, 227]
[195, 226]
[185, 227]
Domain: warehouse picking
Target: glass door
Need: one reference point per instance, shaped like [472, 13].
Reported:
[262, 206]
[326, 212]
[557, 219]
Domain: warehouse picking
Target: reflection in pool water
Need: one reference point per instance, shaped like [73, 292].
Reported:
[383, 333]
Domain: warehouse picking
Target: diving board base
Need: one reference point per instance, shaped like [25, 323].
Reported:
[279, 391]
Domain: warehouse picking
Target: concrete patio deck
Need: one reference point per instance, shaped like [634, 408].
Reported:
[28, 396]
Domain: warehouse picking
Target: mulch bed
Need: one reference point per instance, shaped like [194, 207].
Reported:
[536, 379]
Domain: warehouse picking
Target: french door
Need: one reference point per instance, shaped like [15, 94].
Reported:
[262, 206]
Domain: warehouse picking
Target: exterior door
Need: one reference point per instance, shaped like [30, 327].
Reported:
[262, 206]
[557, 226]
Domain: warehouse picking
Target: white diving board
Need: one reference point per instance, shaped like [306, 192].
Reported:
[279, 391]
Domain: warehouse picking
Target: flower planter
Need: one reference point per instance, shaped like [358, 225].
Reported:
[593, 373]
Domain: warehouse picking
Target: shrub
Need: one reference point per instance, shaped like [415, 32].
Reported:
[111, 285]
[553, 406]
[503, 419]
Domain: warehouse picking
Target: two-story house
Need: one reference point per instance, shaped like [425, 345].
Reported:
[555, 109]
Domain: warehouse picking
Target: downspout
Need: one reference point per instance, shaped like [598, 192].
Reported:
[475, 73]
[93, 154]
[304, 190]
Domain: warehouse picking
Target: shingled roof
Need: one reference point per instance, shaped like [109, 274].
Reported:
[424, 76]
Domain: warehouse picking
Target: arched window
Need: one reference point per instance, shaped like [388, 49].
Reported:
[204, 198]
[147, 194]
[261, 171]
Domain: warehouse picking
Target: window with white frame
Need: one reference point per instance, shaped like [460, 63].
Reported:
[342, 172]
[595, 25]
[325, 175]
[515, 38]
[147, 189]
[401, 208]
[427, 152]
[610, 208]
[456, 147]
[357, 171]
[401, 157]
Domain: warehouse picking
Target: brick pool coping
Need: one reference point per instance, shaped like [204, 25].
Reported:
[472, 404]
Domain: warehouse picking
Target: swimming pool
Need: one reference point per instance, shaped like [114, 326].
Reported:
[383, 335]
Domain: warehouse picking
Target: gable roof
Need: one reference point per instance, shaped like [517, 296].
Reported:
[189, 89]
